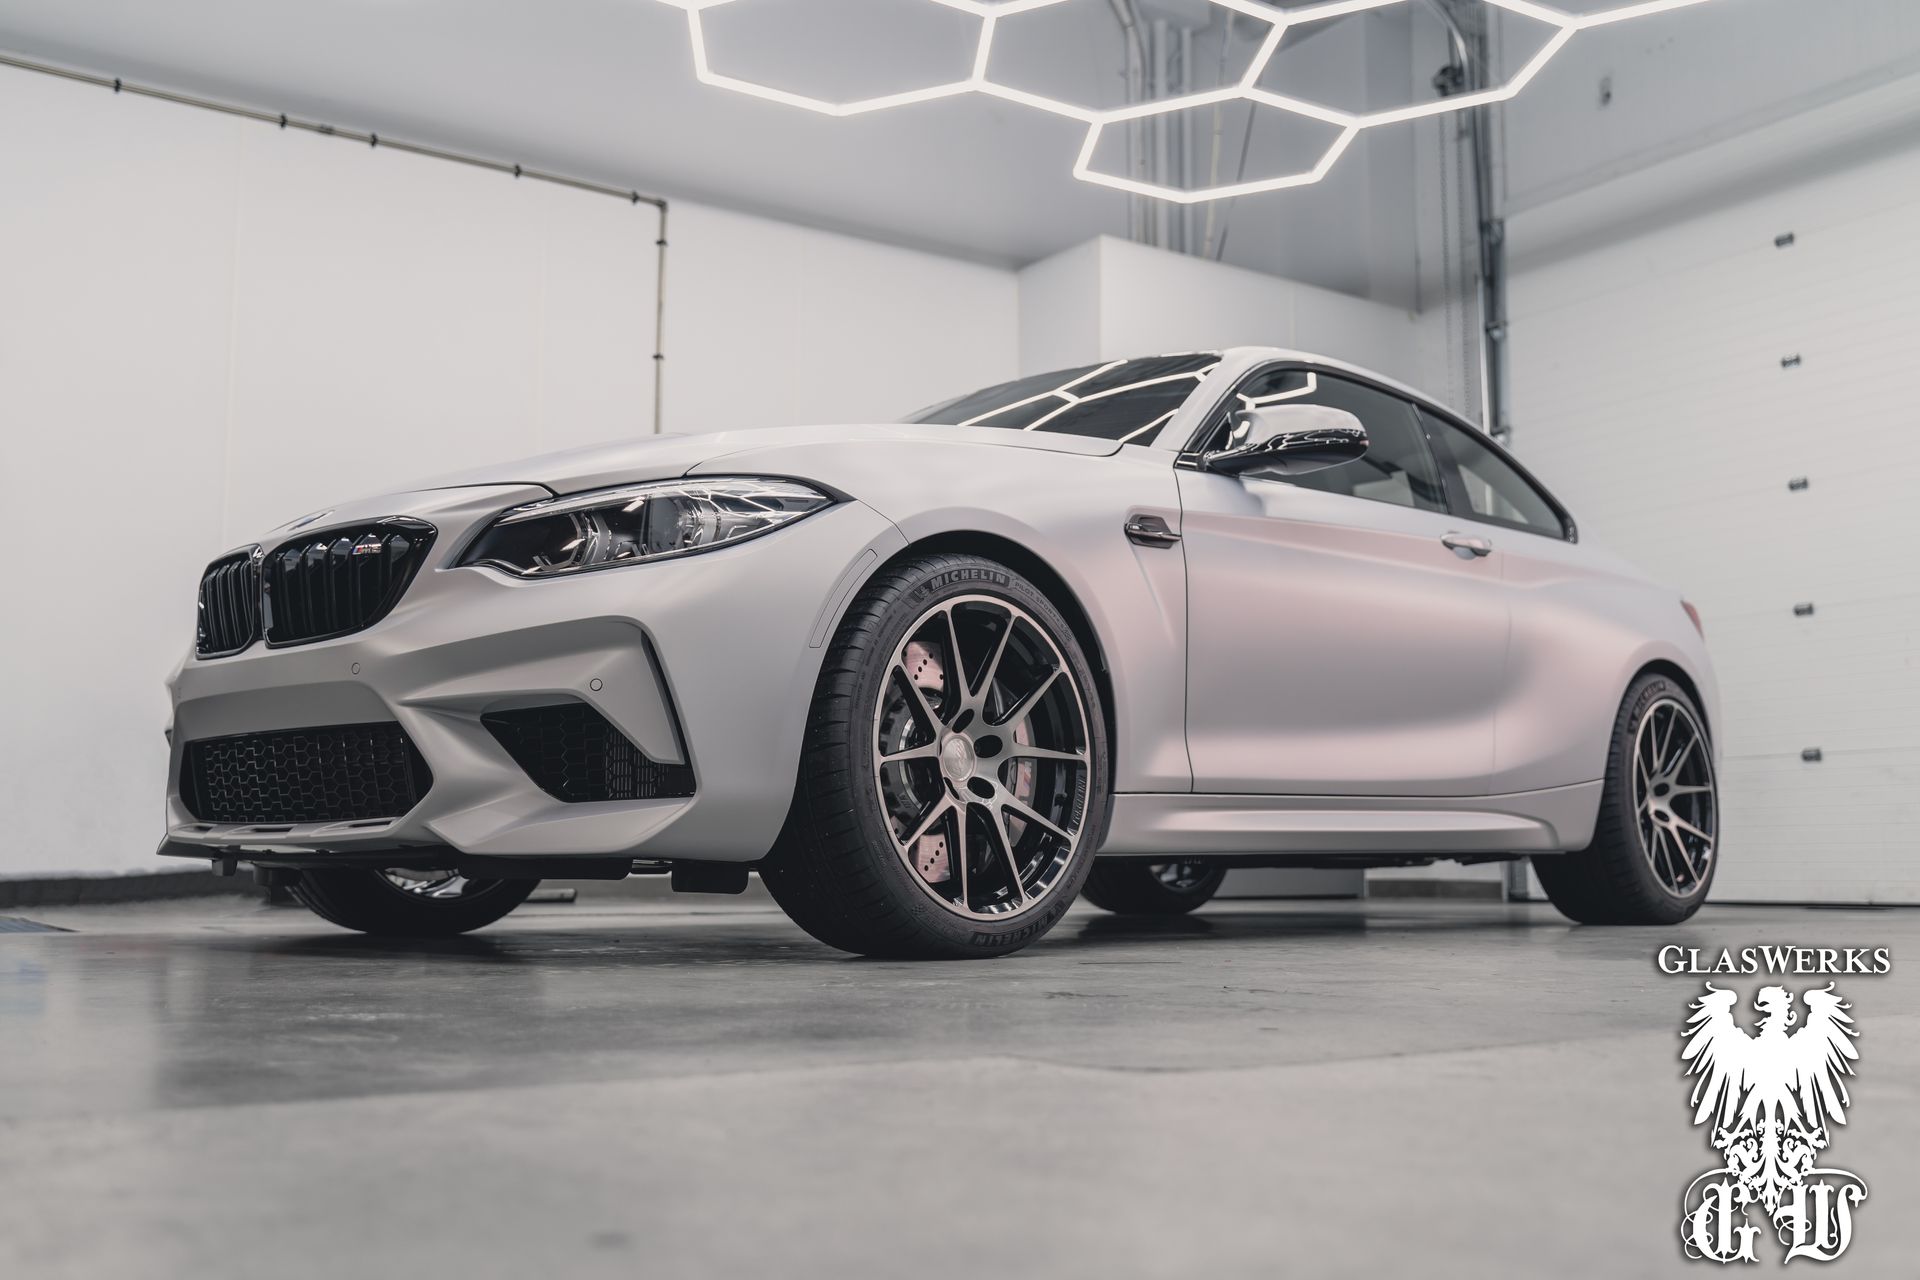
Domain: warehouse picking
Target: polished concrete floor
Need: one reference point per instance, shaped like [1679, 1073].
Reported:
[691, 1087]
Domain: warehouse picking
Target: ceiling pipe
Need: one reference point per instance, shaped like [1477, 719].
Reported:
[1470, 54]
[382, 141]
[1129, 19]
[1186, 213]
[1159, 44]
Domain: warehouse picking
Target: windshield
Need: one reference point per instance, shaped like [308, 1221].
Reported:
[1124, 400]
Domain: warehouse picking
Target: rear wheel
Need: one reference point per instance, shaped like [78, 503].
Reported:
[953, 780]
[1656, 845]
[1135, 888]
[408, 904]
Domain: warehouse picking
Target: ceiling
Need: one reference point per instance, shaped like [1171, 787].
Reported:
[604, 89]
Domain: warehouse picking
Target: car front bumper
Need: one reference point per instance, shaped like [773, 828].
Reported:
[707, 661]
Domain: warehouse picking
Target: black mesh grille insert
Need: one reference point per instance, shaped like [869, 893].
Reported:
[229, 605]
[574, 754]
[338, 581]
[339, 773]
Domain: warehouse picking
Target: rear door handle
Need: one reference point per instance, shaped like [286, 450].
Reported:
[1461, 542]
[1150, 531]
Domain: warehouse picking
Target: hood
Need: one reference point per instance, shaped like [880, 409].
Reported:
[664, 457]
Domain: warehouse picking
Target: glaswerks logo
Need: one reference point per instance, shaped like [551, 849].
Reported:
[1795, 960]
[1769, 1095]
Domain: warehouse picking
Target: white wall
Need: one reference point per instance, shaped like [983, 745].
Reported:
[770, 324]
[1150, 300]
[208, 325]
[1692, 78]
[1649, 392]
[1060, 309]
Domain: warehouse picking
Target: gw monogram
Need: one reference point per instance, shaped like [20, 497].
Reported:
[1770, 1095]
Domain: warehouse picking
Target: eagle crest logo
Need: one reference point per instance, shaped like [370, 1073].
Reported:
[1770, 1095]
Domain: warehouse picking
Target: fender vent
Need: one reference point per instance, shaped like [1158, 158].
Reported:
[574, 753]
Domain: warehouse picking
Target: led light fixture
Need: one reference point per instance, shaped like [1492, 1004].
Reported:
[989, 12]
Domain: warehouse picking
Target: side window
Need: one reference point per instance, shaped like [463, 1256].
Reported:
[1397, 468]
[1493, 489]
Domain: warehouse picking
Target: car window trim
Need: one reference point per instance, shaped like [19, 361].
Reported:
[1189, 457]
[1455, 486]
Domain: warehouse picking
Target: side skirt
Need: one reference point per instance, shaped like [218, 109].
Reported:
[1547, 821]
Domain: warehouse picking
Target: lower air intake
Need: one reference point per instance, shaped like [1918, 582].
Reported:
[339, 773]
[574, 753]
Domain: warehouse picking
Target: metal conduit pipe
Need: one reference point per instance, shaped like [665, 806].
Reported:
[285, 121]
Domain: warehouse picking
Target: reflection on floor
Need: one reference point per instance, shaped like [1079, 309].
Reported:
[693, 1087]
[19, 924]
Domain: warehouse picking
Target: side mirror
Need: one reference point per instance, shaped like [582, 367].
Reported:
[1291, 439]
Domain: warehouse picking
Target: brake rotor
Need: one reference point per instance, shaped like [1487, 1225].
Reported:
[929, 675]
[932, 854]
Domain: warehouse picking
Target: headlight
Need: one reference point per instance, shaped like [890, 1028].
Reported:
[637, 523]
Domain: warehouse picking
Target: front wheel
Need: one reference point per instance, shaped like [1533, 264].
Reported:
[952, 783]
[1656, 845]
[1136, 888]
[408, 904]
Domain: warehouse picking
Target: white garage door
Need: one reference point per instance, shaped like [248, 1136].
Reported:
[1676, 389]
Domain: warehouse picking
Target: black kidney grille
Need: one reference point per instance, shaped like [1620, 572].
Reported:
[339, 773]
[229, 605]
[338, 581]
[574, 753]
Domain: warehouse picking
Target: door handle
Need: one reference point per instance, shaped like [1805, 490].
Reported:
[1149, 531]
[1458, 542]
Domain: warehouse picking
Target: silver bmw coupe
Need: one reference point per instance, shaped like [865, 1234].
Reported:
[1111, 631]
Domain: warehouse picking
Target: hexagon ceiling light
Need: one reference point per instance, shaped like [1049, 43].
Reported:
[1279, 19]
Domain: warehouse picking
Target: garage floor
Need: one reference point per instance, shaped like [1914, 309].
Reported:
[684, 1087]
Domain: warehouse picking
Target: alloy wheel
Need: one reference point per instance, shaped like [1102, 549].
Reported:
[981, 757]
[1182, 877]
[1675, 804]
[435, 886]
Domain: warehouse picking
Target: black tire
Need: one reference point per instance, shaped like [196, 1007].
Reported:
[371, 903]
[1614, 880]
[840, 868]
[1133, 887]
